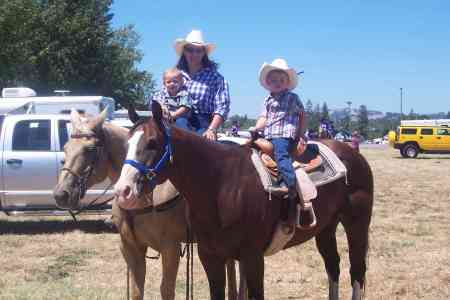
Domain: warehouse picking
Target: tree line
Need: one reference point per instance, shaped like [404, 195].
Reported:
[62, 44]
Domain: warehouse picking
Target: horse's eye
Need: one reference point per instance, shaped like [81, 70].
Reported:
[151, 145]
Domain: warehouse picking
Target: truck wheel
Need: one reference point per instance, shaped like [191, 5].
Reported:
[410, 151]
[402, 152]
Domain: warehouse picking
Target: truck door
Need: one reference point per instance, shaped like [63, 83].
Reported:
[29, 164]
[443, 138]
[64, 131]
[426, 139]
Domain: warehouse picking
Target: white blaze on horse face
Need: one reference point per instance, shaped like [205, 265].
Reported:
[126, 187]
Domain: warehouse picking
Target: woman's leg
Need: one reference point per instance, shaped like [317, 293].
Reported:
[183, 122]
[200, 123]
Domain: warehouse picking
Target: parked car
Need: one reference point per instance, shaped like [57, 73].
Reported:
[421, 136]
[31, 157]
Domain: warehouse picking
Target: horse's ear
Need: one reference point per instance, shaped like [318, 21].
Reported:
[157, 112]
[75, 119]
[99, 120]
[132, 114]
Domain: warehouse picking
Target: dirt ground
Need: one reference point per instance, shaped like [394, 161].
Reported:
[55, 258]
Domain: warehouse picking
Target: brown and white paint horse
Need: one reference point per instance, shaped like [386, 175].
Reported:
[231, 213]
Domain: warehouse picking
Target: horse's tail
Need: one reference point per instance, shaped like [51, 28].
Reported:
[360, 194]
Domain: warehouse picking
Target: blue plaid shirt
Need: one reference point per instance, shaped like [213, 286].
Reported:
[282, 115]
[208, 92]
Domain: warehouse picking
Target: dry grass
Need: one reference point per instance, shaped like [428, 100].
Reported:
[53, 258]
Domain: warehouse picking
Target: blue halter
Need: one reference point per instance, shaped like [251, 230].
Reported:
[151, 172]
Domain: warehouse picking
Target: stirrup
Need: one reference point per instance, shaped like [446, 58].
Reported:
[278, 190]
[310, 210]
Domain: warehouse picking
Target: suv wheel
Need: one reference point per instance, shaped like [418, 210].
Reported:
[410, 151]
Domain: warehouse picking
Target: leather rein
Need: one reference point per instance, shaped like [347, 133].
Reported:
[83, 177]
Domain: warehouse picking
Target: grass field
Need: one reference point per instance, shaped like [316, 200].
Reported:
[54, 258]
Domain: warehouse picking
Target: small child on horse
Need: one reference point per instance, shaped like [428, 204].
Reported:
[283, 121]
[174, 97]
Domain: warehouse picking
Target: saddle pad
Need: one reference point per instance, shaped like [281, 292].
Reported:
[330, 170]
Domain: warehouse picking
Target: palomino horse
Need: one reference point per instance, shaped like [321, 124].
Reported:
[230, 212]
[102, 147]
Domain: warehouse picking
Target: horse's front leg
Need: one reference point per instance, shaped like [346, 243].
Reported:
[215, 271]
[134, 256]
[170, 261]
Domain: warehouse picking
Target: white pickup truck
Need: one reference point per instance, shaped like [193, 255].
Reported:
[31, 157]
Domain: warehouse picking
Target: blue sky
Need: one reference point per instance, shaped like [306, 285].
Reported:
[359, 51]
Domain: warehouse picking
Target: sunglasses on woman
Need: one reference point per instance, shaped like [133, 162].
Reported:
[196, 50]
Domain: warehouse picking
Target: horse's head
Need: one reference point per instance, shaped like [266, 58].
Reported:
[149, 153]
[83, 166]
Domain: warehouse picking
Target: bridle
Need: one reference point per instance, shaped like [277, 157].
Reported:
[83, 177]
[150, 172]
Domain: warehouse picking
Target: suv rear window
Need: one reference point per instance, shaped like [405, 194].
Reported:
[443, 131]
[409, 131]
[426, 131]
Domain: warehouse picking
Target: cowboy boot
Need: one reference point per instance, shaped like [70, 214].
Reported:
[292, 218]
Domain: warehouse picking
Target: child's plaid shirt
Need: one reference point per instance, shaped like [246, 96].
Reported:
[282, 115]
[172, 102]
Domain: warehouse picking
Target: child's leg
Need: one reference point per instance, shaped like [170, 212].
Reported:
[282, 150]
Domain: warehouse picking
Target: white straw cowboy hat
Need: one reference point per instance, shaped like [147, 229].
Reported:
[280, 65]
[195, 37]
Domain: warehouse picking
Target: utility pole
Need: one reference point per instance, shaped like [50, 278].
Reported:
[401, 103]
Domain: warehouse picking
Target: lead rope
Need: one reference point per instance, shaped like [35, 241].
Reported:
[128, 282]
[189, 266]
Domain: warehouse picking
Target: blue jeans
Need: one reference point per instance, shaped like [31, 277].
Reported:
[282, 149]
[200, 122]
[183, 122]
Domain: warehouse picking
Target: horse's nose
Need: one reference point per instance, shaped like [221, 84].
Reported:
[124, 191]
[61, 197]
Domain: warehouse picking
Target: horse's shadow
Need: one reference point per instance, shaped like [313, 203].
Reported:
[11, 226]
[426, 157]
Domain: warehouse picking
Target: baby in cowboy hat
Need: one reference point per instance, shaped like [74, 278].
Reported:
[282, 119]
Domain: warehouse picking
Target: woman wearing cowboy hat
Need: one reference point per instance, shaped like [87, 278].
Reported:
[283, 122]
[208, 90]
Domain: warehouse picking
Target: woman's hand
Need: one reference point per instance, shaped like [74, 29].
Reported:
[210, 134]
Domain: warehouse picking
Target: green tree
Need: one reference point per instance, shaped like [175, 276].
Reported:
[314, 118]
[309, 107]
[324, 112]
[363, 120]
[71, 45]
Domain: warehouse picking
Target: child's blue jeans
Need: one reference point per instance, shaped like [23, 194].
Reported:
[282, 149]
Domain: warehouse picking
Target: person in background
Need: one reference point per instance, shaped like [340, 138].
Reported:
[283, 121]
[174, 97]
[235, 128]
[208, 90]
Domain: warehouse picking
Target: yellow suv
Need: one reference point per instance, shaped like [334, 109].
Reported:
[421, 136]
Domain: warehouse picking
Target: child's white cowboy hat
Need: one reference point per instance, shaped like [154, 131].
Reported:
[195, 37]
[280, 65]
